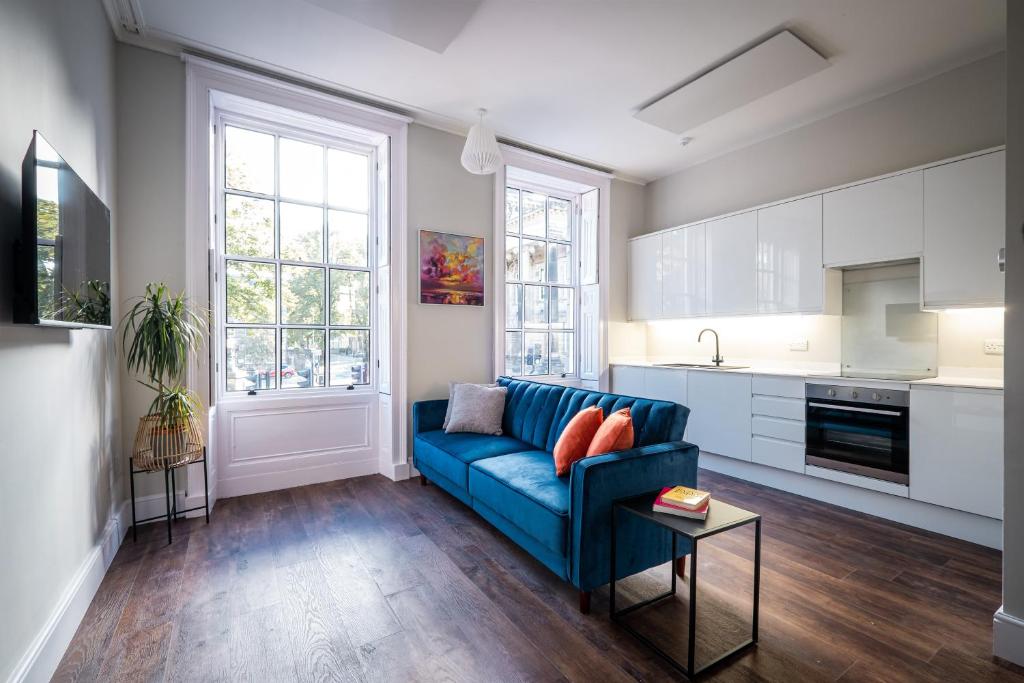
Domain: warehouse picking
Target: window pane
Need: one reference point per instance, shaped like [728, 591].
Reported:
[251, 292]
[558, 219]
[562, 299]
[250, 359]
[511, 258]
[249, 226]
[513, 306]
[559, 264]
[350, 297]
[302, 359]
[348, 180]
[511, 210]
[561, 353]
[302, 295]
[302, 170]
[533, 261]
[302, 233]
[535, 361]
[347, 237]
[533, 214]
[535, 306]
[513, 353]
[350, 357]
[249, 160]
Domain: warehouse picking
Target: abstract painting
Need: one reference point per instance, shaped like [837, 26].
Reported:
[451, 269]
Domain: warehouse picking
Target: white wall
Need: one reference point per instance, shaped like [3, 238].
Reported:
[150, 95]
[961, 111]
[1010, 637]
[627, 219]
[59, 411]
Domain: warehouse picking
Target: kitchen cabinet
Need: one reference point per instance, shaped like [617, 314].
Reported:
[964, 228]
[683, 257]
[661, 384]
[645, 278]
[881, 220]
[732, 264]
[627, 380]
[720, 415]
[790, 277]
[777, 422]
[956, 448]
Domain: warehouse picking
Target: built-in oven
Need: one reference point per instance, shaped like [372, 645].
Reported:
[859, 430]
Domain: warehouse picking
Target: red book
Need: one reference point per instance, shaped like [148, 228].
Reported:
[673, 509]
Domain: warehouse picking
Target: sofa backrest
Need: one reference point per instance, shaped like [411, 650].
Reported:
[537, 413]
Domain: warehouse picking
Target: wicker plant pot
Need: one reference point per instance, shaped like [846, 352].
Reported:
[159, 447]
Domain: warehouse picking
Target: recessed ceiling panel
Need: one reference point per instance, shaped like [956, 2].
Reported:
[779, 61]
[433, 25]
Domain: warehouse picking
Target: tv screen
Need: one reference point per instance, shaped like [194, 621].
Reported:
[63, 277]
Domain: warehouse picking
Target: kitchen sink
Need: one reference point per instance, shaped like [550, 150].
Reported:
[702, 366]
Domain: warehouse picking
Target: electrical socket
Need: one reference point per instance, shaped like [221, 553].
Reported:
[994, 347]
[798, 345]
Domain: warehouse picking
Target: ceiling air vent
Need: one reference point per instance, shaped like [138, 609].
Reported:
[127, 14]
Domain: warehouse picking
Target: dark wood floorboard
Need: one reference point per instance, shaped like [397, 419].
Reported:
[369, 580]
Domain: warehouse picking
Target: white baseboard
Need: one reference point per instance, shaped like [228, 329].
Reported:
[286, 479]
[398, 472]
[963, 525]
[1008, 637]
[47, 649]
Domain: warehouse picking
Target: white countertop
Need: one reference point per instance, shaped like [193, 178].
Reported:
[975, 378]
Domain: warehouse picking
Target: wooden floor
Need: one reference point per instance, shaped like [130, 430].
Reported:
[369, 580]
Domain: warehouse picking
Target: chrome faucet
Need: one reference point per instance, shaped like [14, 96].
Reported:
[717, 360]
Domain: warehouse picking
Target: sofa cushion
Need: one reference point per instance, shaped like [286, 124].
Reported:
[523, 488]
[451, 454]
[530, 410]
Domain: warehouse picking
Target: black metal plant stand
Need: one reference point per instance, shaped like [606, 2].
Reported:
[170, 496]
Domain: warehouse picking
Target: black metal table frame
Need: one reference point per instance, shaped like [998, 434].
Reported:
[170, 496]
[616, 616]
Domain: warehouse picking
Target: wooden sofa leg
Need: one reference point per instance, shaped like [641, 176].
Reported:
[681, 566]
[584, 602]
[423, 480]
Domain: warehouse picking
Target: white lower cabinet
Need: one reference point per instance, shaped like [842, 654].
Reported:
[778, 422]
[628, 380]
[665, 384]
[719, 419]
[956, 448]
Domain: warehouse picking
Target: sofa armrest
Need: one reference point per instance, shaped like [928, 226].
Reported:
[596, 483]
[428, 416]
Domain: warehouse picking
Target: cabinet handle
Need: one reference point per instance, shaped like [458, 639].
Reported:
[1001, 259]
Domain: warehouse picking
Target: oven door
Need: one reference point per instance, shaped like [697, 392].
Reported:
[859, 439]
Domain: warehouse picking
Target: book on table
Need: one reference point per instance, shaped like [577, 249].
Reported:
[683, 501]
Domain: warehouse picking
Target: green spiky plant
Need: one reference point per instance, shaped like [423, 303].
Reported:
[160, 332]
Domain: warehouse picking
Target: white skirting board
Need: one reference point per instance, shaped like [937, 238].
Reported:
[48, 647]
[963, 525]
[1008, 637]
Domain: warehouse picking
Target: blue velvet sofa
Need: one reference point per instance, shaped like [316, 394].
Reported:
[564, 522]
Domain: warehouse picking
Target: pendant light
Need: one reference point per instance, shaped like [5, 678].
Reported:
[481, 155]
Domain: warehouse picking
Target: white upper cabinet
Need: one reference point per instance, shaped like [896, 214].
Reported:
[964, 228]
[790, 277]
[881, 220]
[683, 272]
[645, 278]
[732, 264]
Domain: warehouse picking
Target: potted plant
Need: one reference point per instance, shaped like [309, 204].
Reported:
[160, 332]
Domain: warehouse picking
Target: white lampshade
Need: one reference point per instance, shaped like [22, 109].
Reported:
[481, 154]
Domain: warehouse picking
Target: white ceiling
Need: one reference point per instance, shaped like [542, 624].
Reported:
[568, 75]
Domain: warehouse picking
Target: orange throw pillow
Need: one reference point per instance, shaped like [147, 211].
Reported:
[577, 435]
[615, 434]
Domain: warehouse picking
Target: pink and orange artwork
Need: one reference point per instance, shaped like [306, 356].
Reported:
[451, 269]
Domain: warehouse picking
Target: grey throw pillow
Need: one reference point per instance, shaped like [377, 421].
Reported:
[451, 399]
[477, 409]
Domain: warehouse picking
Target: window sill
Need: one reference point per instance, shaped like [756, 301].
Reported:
[296, 398]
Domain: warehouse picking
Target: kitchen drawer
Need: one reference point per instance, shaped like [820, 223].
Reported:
[774, 406]
[787, 430]
[769, 385]
[785, 455]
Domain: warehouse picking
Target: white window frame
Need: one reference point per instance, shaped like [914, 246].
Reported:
[242, 115]
[520, 163]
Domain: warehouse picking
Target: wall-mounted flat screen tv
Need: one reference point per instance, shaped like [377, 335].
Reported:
[63, 257]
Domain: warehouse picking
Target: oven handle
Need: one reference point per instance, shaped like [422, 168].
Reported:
[873, 411]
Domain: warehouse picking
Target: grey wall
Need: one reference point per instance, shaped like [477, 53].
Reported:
[1013, 514]
[150, 96]
[59, 423]
[954, 113]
